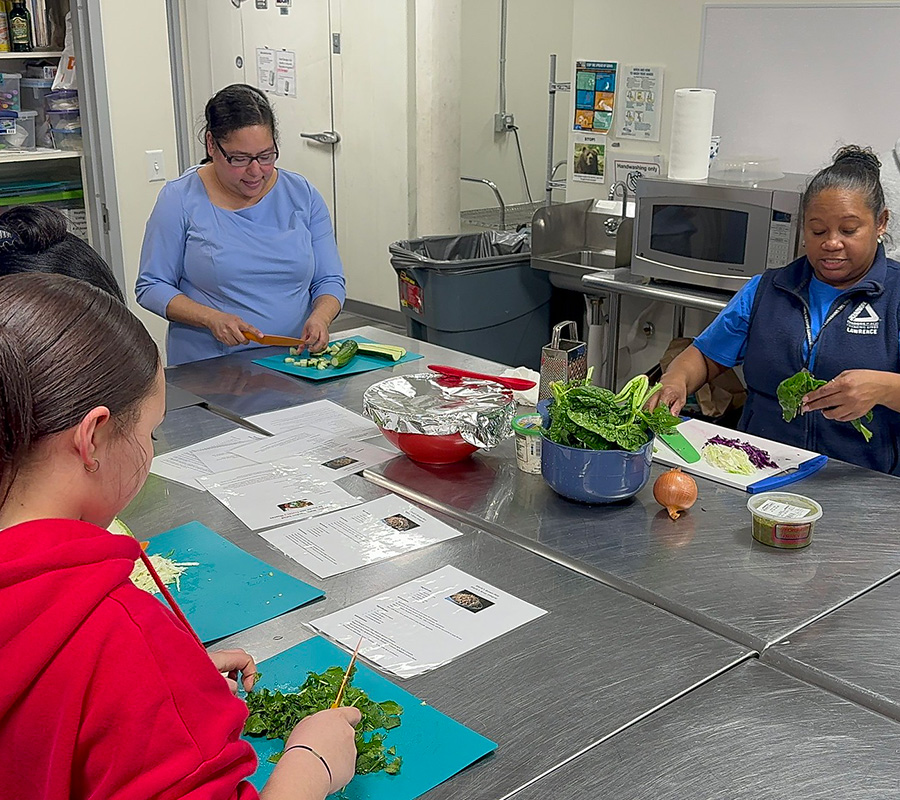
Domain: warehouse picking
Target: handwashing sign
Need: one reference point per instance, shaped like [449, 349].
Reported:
[639, 104]
[595, 95]
[630, 170]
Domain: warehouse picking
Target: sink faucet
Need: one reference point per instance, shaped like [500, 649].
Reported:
[612, 224]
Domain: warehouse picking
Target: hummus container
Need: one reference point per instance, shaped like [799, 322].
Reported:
[782, 519]
[527, 428]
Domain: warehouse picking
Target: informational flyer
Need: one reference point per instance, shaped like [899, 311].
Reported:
[595, 95]
[265, 69]
[286, 73]
[427, 622]
[320, 415]
[340, 456]
[630, 170]
[589, 158]
[264, 495]
[188, 464]
[345, 540]
[640, 102]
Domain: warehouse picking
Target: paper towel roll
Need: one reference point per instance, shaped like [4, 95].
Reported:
[692, 122]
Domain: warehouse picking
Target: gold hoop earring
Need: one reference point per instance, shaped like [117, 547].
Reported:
[95, 468]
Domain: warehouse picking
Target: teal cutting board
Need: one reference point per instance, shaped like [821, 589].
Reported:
[359, 363]
[433, 746]
[230, 590]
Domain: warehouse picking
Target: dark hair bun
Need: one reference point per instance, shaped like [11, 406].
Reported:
[37, 228]
[854, 154]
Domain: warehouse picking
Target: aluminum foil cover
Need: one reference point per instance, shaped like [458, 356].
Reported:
[480, 411]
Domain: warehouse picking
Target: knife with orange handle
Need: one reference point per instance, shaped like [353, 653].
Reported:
[276, 341]
[340, 694]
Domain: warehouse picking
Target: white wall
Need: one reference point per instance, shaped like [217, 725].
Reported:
[141, 112]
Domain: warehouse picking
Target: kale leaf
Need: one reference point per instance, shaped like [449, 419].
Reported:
[791, 392]
[274, 715]
[593, 418]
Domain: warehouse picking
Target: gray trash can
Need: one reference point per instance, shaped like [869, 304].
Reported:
[475, 293]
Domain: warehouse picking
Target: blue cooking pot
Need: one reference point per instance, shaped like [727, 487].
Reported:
[593, 476]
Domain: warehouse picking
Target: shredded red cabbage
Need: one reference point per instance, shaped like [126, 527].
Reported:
[759, 458]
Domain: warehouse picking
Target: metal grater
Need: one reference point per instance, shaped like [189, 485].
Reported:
[562, 359]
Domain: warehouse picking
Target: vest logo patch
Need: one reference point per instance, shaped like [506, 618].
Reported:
[863, 320]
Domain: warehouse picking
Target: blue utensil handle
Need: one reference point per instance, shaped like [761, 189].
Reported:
[805, 469]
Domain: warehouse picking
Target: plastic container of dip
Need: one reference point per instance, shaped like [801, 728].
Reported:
[527, 428]
[782, 519]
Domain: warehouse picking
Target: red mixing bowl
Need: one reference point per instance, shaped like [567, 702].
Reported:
[431, 449]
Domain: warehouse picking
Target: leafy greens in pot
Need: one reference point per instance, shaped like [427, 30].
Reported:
[274, 715]
[791, 392]
[592, 418]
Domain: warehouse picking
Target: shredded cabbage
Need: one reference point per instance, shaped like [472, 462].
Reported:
[736, 462]
[169, 572]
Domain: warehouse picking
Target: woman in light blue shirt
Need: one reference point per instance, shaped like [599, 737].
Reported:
[235, 246]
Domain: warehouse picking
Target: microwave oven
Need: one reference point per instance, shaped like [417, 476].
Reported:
[714, 233]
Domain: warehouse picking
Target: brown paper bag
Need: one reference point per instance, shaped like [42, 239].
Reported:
[724, 394]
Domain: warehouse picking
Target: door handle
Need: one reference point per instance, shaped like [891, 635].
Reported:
[325, 137]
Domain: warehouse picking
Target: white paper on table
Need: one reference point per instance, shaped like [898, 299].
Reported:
[263, 495]
[698, 433]
[188, 464]
[318, 417]
[339, 455]
[427, 622]
[345, 540]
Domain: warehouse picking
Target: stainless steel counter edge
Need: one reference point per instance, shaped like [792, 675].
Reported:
[611, 734]
[687, 297]
[626, 587]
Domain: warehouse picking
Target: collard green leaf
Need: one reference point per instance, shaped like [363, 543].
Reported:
[791, 392]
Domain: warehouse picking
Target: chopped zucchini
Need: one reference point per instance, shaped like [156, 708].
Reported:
[321, 365]
[345, 353]
[303, 362]
[390, 351]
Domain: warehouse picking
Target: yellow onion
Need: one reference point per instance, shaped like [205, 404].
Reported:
[675, 491]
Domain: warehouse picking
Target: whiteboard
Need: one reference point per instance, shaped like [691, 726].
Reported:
[798, 81]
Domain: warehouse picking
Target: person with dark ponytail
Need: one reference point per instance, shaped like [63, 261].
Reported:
[36, 239]
[105, 692]
[834, 312]
[236, 246]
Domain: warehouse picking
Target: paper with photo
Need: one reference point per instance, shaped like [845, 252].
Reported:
[589, 158]
[188, 464]
[318, 416]
[345, 540]
[264, 495]
[427, 622]
[339, 455]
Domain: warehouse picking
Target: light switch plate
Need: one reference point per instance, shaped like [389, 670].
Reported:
[156, 166]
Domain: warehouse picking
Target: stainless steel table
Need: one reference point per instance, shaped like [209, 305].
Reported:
[596, 663]
[705, 567]
[853, 652]
[236, 384]
[753, 733]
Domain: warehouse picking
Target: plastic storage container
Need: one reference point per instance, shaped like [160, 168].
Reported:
[33, 91]
[67, 140]
[62, 100]
[783, 519]
[65, 120]
[475, 293]
[10, 91]
[17, 130]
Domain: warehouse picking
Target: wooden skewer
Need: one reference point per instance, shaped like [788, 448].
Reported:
[340, 694]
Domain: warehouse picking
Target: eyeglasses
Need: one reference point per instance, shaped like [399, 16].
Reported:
[264, 159]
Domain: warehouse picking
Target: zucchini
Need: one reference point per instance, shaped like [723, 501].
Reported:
[345, 353]
[390, 351]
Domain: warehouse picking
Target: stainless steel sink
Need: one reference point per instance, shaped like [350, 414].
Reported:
[571, 240]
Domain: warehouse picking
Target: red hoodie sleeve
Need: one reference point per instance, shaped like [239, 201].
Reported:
[158, 721]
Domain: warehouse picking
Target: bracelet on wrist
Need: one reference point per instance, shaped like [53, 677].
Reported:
[307, 747]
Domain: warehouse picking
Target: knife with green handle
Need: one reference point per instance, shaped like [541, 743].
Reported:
[681, 446]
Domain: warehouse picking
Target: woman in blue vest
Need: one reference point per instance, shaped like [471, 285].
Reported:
[834, 312]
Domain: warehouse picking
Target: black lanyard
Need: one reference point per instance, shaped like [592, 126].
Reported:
[810, 341]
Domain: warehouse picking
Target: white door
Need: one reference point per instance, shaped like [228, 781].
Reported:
[301, 38]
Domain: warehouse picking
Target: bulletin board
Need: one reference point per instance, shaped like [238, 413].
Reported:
[798, 81]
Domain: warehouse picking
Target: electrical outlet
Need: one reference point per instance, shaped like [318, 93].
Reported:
[156, 165]
[504, 122]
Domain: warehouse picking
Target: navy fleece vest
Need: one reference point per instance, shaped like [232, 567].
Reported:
[863, 336]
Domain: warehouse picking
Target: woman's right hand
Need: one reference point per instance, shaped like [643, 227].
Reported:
[331, 734]
[229, 329]
[673, 394]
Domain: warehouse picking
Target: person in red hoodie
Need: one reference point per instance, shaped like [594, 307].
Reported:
[106, 695]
